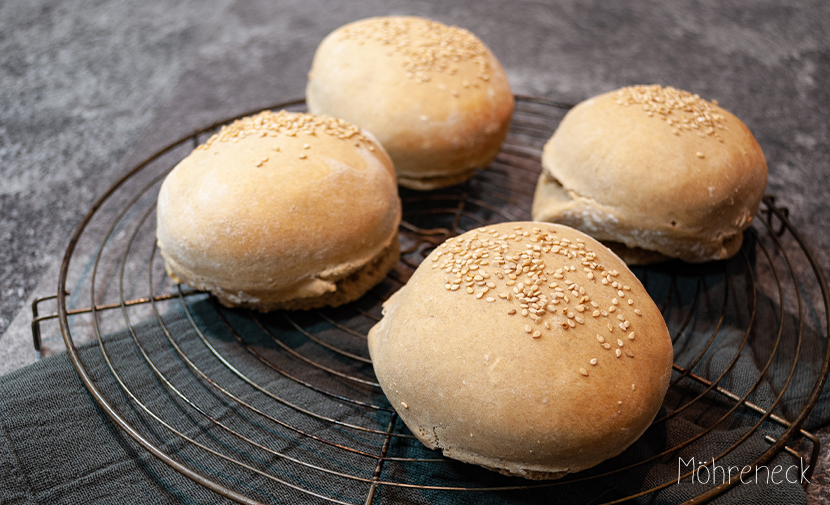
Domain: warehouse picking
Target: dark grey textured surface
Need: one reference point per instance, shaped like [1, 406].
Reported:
[79, 83]
[88, 88]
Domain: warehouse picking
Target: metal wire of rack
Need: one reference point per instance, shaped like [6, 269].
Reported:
[284, 406]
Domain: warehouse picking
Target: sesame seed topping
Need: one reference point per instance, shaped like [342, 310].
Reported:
[593, 361]
[618, 352]
[527, 274]
[288, 124]
[631, 336]
[583, 372]
[426, 46]
[680, 110]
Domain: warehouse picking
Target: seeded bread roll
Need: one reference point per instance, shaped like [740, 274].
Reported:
[526, 348]
[657, 173]
[281, 211]
[434, 95]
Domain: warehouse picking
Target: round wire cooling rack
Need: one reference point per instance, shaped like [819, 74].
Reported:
[284, 407]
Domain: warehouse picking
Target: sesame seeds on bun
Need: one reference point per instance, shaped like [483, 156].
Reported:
[523, 317]
[281, 210]
[654, 172]
[434, 95]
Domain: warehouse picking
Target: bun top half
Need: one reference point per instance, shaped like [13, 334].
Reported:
[654, 168]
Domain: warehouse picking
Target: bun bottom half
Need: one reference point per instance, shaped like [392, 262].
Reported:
[437, 182]
[348, 288]
[633, 240]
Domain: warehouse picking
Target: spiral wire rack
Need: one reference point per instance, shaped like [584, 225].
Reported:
[284, 406]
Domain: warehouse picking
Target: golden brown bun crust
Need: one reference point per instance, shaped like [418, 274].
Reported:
[620, 174]
[438, 118]
[470, 374]
[278, 210]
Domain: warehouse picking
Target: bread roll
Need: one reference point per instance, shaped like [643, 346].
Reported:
[658, 171]
[527, 348]
[434, 95]
[281, 210]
